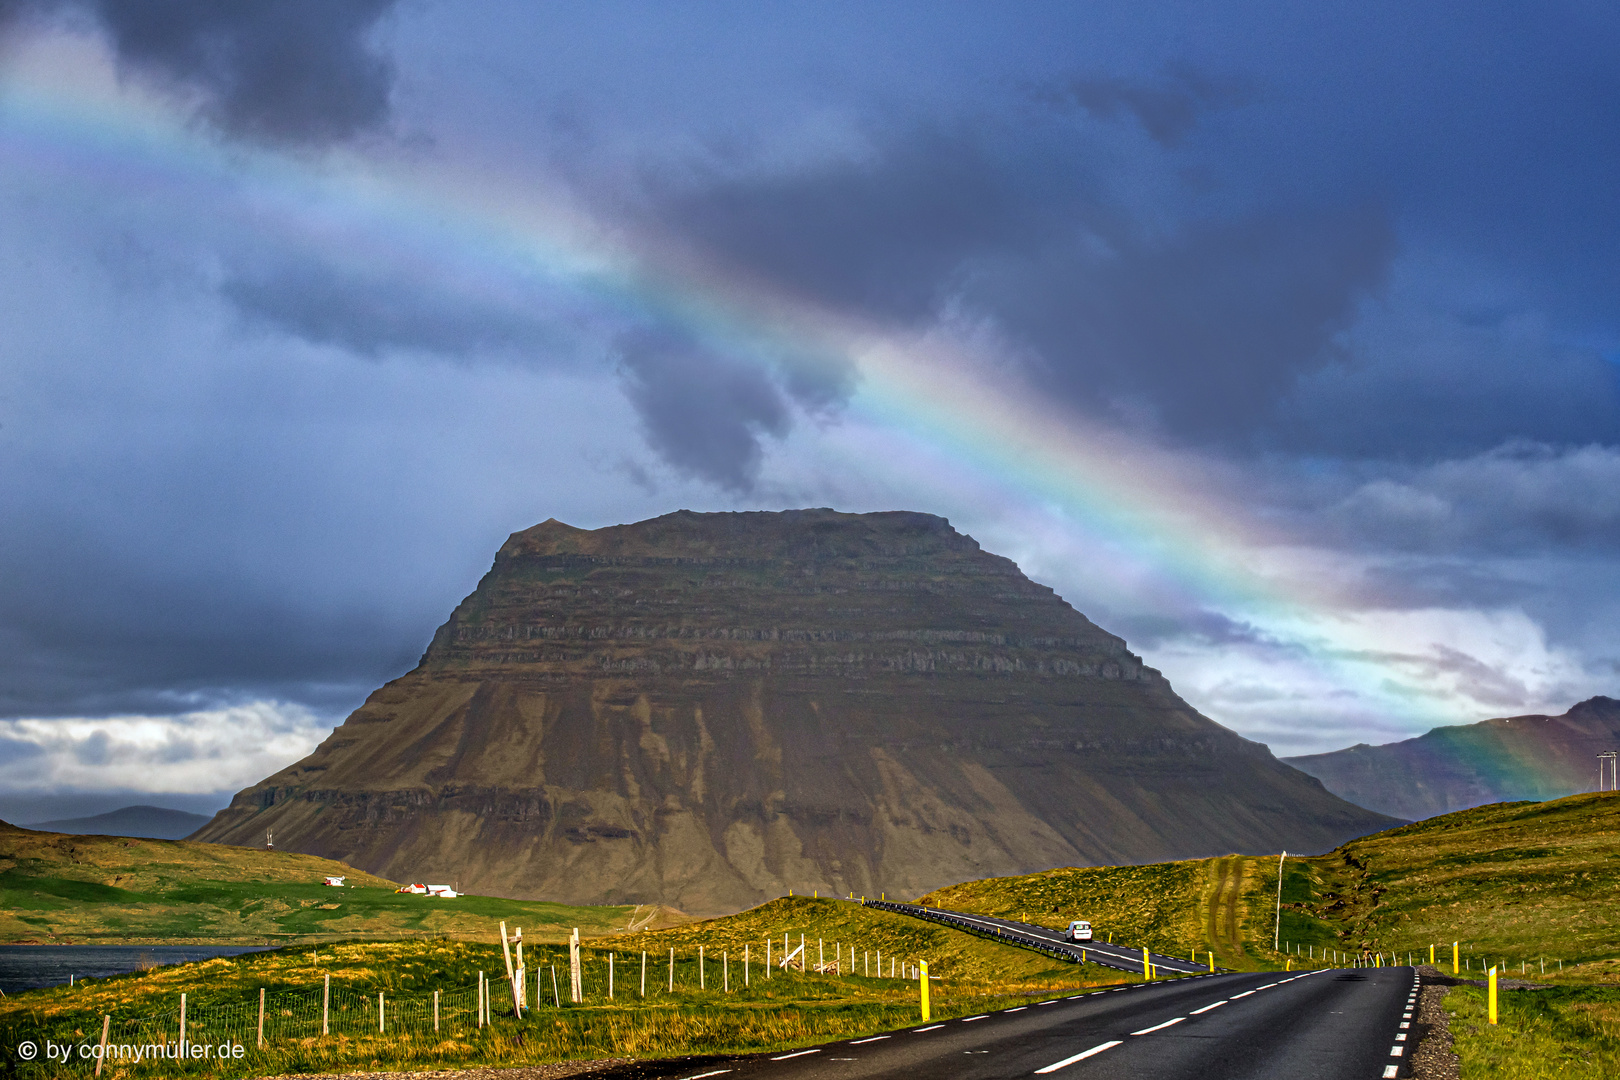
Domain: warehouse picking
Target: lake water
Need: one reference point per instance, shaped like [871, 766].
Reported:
[28, 967]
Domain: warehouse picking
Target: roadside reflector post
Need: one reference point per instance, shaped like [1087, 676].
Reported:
[1454, 958]
[1493, 995]
[923, 970]
[1147, 966]
[1211, 961]
[1431, 955]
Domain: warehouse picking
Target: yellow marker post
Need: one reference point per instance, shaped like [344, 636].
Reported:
[922, 969]
[1288, 965]
[1454, 958]
[1431, 955]
[1212, 962]
[1493, 995]
[1147, 966]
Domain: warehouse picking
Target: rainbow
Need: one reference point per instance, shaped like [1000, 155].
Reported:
[63, 117]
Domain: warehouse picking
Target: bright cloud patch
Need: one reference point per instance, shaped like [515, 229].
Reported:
[213, 750]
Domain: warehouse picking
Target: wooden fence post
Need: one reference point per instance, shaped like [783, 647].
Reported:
[610, 976]
[672, 969]
[379, 1012]
[326, 1005]
[106, 1025]
[643, 972]
[576, 981]
[435, 1012]
[261, 1017]
[182, 1025]
[701, 984]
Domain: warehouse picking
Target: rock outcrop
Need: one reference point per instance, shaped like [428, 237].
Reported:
[1454, 768]
[705, 710]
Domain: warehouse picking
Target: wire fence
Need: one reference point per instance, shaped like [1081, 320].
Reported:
[197, 1036]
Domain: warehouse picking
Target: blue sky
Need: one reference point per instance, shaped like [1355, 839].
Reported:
[306, 306]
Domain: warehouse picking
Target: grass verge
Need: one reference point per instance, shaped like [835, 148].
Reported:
[1564, 1031]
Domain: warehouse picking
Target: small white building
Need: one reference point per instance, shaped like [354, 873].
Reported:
[335, 882]
[414, 889]
[442, 890]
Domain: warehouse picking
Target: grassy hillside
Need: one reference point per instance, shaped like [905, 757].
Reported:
[719, 1010]
[1513, 882]
[64, 889]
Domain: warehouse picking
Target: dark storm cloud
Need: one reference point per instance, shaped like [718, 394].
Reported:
[369, 312]
[282, 71]
[704, 413]
[1167, 108]
[1202, 328]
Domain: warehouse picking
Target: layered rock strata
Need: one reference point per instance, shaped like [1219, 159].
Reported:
[705, 710]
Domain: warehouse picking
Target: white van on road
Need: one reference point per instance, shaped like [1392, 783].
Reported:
[1079, 930]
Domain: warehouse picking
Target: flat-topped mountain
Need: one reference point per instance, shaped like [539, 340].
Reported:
[705, 710]
[1455, 768]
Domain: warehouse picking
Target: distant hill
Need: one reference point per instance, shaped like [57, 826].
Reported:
[707, 710]
[1454, 768]
[151, 822]
[58, 888]
[1511, 882]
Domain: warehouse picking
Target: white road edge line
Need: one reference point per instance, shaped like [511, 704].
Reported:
[970, 1019]
[1054, 1001]
[931, 1027]
[704, 1076]
[1099, 1048]
[1391, 1072]
[1206, 1008]
[1020, 1008]
[874, 1038]
[1159, 1027]
[796, 1053]
[1395, 1051]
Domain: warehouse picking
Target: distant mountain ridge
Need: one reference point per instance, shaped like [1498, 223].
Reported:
[706, 710]
[149, 822]
[1457, 768]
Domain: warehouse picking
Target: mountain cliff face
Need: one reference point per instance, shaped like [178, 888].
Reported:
[1454, 768]
[705, 710]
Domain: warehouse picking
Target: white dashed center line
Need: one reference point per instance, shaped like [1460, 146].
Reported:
[1054, 1001]
[1206, 1008]
[933, 1027]
[796, 1053]
[1159, 1027]
[1245, 994]
[970, 1019]
[874, 1038]
[1099, 1048]
[1020, 1008]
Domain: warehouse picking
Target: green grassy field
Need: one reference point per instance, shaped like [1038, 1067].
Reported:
[1516, 884]
[727, 1004]
[58, 889]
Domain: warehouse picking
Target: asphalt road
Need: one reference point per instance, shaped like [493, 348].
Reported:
[1119, 957]
[1321, 1025]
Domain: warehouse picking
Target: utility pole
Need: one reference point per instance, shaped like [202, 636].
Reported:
[1276, 936]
